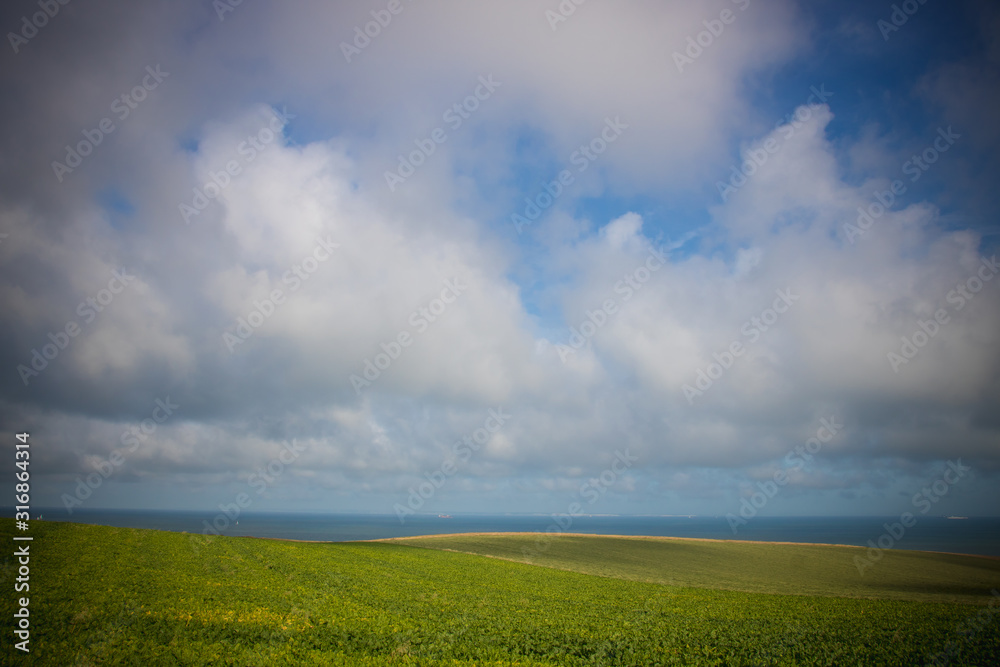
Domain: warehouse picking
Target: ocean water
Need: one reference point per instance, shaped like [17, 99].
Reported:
[975, 535]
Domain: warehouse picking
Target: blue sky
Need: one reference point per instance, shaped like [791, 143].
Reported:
[329, 272]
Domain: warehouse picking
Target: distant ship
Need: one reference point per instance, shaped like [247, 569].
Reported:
[444, 516]
[958, 517]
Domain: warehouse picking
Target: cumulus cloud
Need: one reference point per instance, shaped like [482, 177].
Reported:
[277, 290]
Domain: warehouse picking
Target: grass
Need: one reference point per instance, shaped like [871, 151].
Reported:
[753, 567]
[106, 596]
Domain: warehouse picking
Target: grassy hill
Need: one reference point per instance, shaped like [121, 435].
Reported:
[755, 567]
[105, 596]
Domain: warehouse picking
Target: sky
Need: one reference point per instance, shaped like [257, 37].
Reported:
[582, 256]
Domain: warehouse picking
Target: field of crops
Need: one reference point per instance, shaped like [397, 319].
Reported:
[121, 596]
[752, 567]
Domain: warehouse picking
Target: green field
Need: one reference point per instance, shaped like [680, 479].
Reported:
[752, 567]
[104, 595]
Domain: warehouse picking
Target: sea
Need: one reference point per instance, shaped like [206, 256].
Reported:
[973, 535]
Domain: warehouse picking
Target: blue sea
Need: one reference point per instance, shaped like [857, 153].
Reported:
[975, 535]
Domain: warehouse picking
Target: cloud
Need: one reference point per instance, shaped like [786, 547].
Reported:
[282, 291]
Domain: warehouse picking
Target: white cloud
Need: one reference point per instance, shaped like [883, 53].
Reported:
[496, 342]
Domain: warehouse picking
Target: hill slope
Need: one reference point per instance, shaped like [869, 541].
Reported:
[104, 596]
[756, 567]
